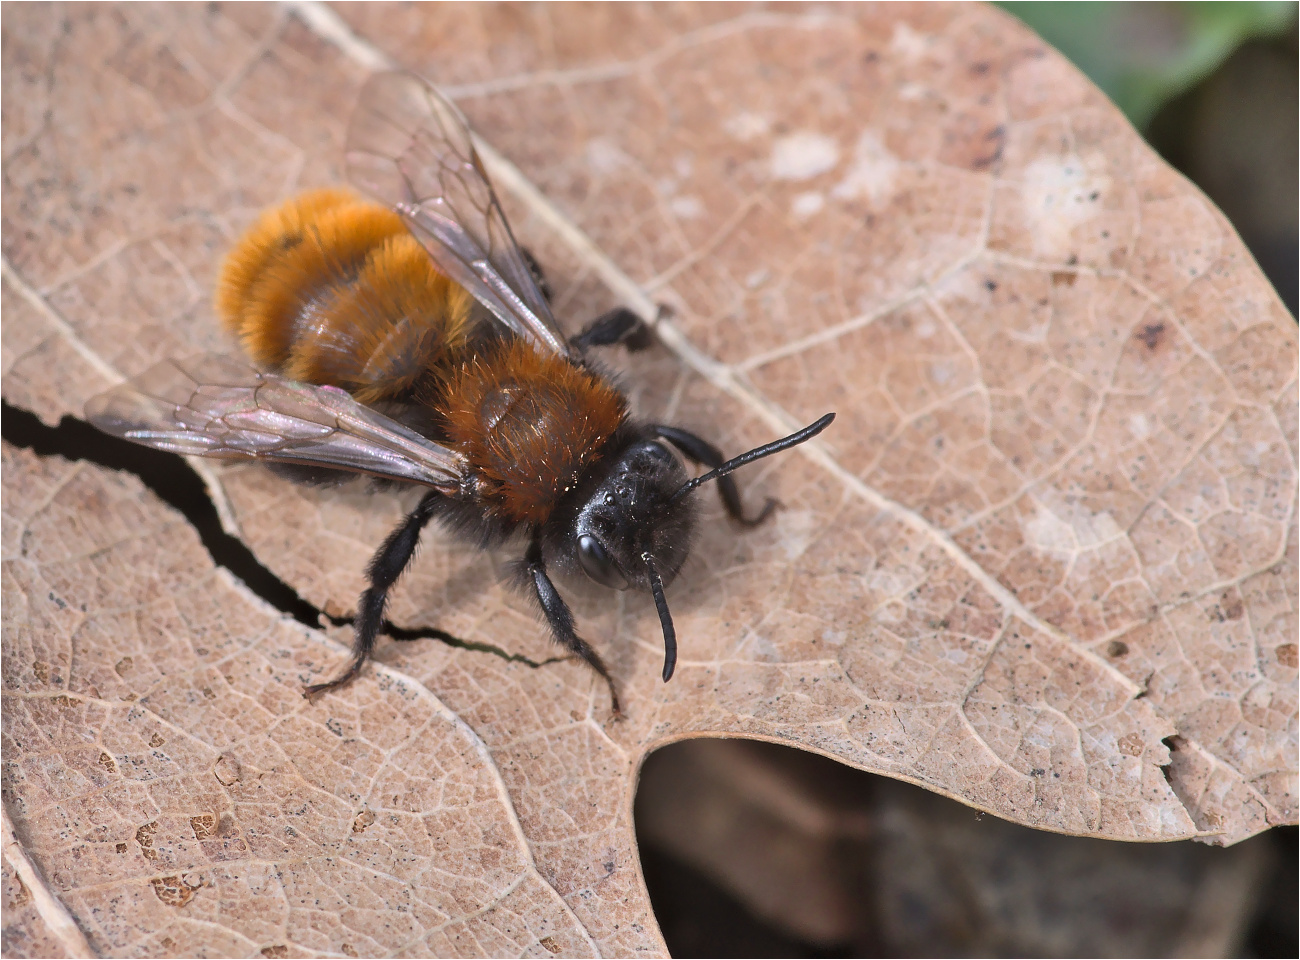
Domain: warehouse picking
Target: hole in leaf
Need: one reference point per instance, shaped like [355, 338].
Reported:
[753, 849]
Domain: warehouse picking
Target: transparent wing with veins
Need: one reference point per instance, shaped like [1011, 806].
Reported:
[409, 146]
[213, 406]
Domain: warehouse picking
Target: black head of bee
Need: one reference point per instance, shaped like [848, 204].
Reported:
[631, 524]
[631, 513]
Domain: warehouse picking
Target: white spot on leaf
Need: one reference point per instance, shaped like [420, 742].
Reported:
[687, 208]
[1047, 532]
[1059, 195]
[802, 156]
[747, 126]
[807, 204]
[1068, 525]
[907, 43]
[873, 172]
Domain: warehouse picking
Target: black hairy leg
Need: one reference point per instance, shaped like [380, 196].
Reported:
[619, 325]
[560, 619]
[700, 451]
[385, 567]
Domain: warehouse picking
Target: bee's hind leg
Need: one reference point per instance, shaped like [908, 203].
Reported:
[619, 325]
[560, 619]
[706, 454]
[384, 569]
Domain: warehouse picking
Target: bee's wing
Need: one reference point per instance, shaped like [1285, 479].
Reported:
[409, 146]
[213, 406]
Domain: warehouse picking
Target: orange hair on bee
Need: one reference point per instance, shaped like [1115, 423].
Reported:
[329, 289]
[275, 232]
[273, 277]
[530, 424]
[375, 336]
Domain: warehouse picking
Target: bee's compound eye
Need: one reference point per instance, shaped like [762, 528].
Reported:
[658, 452]
[596, 564]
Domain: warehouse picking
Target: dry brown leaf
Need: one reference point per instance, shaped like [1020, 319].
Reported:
[1053, 528]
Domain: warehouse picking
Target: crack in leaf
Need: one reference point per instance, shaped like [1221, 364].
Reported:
[173, 481]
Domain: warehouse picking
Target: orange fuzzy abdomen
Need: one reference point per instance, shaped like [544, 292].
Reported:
[529, 424]
[328, 289]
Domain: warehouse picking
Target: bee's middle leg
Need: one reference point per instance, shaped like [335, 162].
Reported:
[385, 567]
[560, 618]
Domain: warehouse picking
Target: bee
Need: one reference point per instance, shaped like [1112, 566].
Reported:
[414, 342]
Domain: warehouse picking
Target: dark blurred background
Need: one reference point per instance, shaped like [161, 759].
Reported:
[758, 850]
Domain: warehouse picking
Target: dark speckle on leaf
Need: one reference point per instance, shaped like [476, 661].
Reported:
[1152, 334]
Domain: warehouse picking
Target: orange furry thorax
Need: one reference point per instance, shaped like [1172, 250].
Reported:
[530, 424]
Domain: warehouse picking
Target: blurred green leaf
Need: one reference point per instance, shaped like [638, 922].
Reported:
[1144, 54]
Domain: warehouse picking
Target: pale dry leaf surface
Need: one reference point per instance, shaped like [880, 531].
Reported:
[203, 791]
[25, 932]
[1044, 562]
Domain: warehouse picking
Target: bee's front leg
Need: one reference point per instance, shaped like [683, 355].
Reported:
[385, 567]
[706, 454]
[560, 618]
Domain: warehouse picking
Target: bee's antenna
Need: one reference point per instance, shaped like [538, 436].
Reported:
[758, 453]
[665, 617]
[656, 584]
